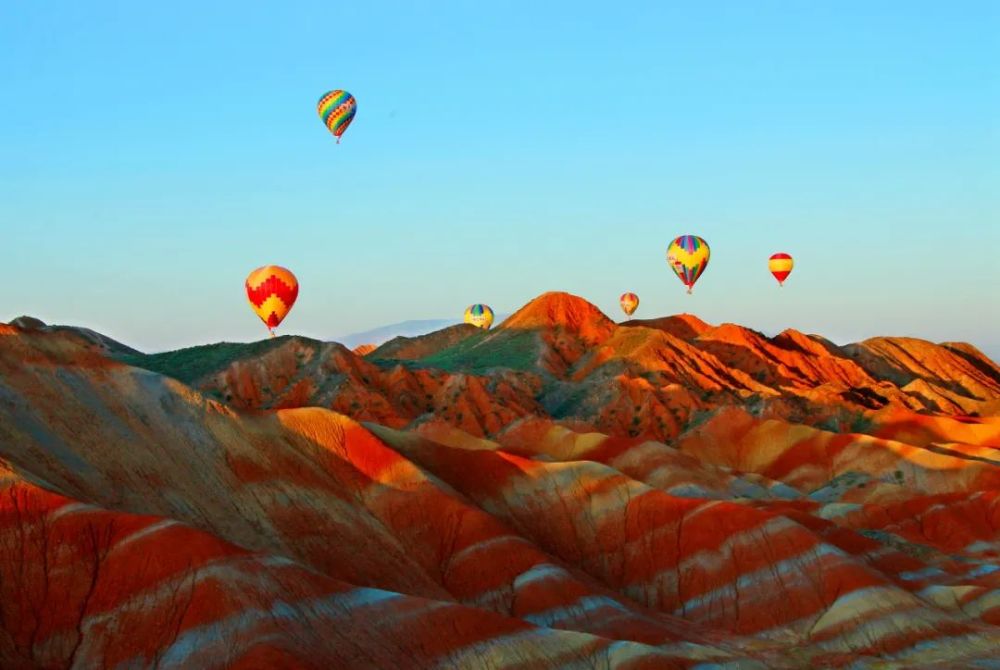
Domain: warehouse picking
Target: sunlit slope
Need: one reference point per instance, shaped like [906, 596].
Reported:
[307, 484]
[83, 586]
[559, 357]
[561, 490]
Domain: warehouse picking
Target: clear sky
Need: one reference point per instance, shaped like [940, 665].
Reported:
[152, 154]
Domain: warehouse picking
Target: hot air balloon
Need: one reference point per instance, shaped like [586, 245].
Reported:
[337, 109]
[629, 303]
[272, 291]
[688, 258]
[780, 265]
[480, 316]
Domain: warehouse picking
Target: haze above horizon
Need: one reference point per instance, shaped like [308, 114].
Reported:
[153, 155]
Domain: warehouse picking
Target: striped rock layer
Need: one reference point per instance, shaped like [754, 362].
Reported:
[559, 492]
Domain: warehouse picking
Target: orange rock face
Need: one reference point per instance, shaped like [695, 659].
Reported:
[363, 349]
[561, 358]
[561, 491]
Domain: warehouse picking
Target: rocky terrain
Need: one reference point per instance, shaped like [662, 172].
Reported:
[561, 491]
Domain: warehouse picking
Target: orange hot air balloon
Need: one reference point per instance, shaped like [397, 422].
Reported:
[629, 303]
[780, 265]
[272, 291]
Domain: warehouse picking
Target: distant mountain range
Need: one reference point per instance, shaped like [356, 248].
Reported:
[413, 328]
[382, 334]
[561, 491]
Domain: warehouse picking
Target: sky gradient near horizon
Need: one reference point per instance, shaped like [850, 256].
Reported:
[152, 154]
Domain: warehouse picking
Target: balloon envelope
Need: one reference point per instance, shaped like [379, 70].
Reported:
[629, 303]
[688, 257]
[272, 291]
[337, 109]
[780, 265]
[480, 316]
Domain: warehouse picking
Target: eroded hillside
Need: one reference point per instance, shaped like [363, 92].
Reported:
[561, 491]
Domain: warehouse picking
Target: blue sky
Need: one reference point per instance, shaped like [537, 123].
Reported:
[152, 154]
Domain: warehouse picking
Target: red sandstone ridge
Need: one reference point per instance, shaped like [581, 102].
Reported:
[421, 346]
[904, 359]
[363, 349]
[558, 492]
[84, 586]
[563, 311]
[683, 326]
[564, 326]
[559, 357]
[665, 361]
[790, 359]
[299, 373]
[976, 357]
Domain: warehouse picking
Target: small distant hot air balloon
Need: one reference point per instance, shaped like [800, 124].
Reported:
[688, 257]
[480, 316]
[629, 303]
[780, 265]
[337, 109]
[272, 291]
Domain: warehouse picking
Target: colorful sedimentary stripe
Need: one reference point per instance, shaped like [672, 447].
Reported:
[747, 542]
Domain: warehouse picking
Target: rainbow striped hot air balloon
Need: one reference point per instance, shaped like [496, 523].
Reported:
[272, 291]
[688, 257]
[337, 109]
[629, 303]
[780, 265]
[480, 316]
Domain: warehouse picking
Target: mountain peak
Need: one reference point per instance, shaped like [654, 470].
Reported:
[559, 309]
[735, 334]
[795, 340]
[684, 326]
[30, 323]
[26, 322]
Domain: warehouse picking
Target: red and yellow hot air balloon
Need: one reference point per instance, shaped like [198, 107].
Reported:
[780, 265]
[688, 257]
[629, 303]
[272, 291]
[337, 110]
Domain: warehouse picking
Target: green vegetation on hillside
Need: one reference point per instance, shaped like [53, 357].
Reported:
[193, 363]
[514, 350]
[390, 363]
[413, 348]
